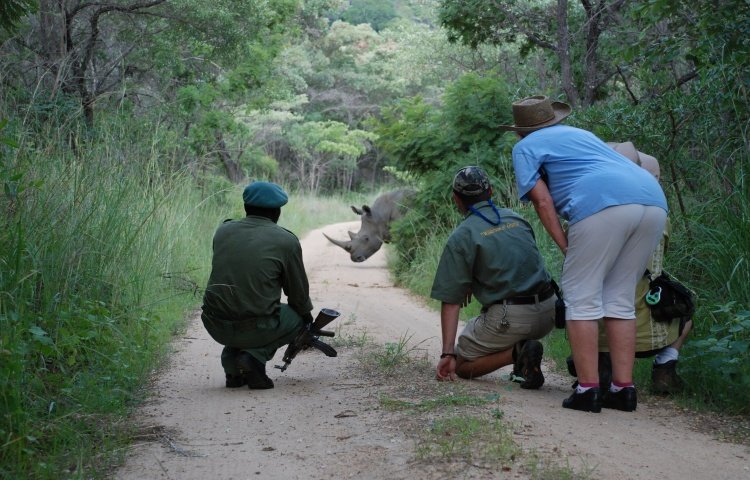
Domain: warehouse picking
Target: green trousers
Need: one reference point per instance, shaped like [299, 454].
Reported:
[261, 340]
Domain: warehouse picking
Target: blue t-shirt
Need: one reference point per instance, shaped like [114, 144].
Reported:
[584, 175]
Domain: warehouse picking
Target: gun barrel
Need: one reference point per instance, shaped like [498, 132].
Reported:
[325, 316]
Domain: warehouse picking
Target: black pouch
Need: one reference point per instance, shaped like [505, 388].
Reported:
[559, 306]
[560, 313]
[669, 299]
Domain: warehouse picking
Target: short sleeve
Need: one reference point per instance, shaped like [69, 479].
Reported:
[453, 276]
[526, 167]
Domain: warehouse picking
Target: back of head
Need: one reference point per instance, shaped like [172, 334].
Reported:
[472, 185]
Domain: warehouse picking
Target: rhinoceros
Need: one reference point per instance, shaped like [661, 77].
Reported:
[376, 222]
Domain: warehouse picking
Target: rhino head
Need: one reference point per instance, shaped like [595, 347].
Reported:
[375, 228]
[371, 236]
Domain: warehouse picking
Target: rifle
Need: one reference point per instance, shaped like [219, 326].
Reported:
[308, 337]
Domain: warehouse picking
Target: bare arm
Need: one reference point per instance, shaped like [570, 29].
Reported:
[545, 208]
[446, 368]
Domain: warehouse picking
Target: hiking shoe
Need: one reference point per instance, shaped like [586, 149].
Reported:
[625, 400]
[588, 401]
[235, 381]
[530, 364]
[664, 378]
[253, 372]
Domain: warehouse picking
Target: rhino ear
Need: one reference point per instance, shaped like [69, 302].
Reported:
[366, 208]
[356, 210]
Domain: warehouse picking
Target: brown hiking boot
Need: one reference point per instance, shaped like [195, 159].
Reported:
[664, 378]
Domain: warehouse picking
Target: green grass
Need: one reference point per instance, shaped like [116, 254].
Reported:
[440, 401]
[468, 438]
[347, 336]
[397, 355]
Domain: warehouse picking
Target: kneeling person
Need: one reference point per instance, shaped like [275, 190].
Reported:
[493, 256]
[254, 259]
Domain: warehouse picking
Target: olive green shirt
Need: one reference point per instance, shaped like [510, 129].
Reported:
[254, 260]
[492, 262]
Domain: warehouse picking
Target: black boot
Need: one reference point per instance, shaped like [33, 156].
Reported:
[588, 401]
[254, 372]
[235, 381]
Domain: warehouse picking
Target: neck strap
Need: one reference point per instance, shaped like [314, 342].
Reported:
[476, 212]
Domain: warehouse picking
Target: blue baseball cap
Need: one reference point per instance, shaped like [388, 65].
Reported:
[264, 195]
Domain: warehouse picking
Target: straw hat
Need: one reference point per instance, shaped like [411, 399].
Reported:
[644, 160]
[533, 113]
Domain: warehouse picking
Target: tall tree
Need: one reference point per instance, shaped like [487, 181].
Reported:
[546, 26]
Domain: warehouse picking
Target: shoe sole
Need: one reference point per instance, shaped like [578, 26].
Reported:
[592, 409]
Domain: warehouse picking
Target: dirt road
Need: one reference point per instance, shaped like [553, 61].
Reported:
[324, 419]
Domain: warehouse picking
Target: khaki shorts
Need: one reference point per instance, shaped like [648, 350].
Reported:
[607, 254]
[502, 326]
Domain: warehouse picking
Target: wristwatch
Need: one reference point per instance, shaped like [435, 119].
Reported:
[443, 355]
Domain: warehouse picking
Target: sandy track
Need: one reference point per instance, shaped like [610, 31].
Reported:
[322, 420]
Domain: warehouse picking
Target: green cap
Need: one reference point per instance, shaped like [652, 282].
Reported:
[264, 195]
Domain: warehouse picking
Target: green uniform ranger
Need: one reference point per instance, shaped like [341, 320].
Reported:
[254, 260]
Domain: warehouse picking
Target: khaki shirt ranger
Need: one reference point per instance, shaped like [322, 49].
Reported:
[493, 262]
[254, 260]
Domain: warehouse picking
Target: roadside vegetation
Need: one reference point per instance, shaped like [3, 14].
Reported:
[128, 129]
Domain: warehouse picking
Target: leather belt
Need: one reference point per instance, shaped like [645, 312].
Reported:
[530, 299]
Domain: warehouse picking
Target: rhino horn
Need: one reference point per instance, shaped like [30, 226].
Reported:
[352, 235]
[345, 245]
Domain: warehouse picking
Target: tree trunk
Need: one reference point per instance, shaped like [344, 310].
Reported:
[234, 173]
[591, 67]
[563, 53]
[52, 42]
